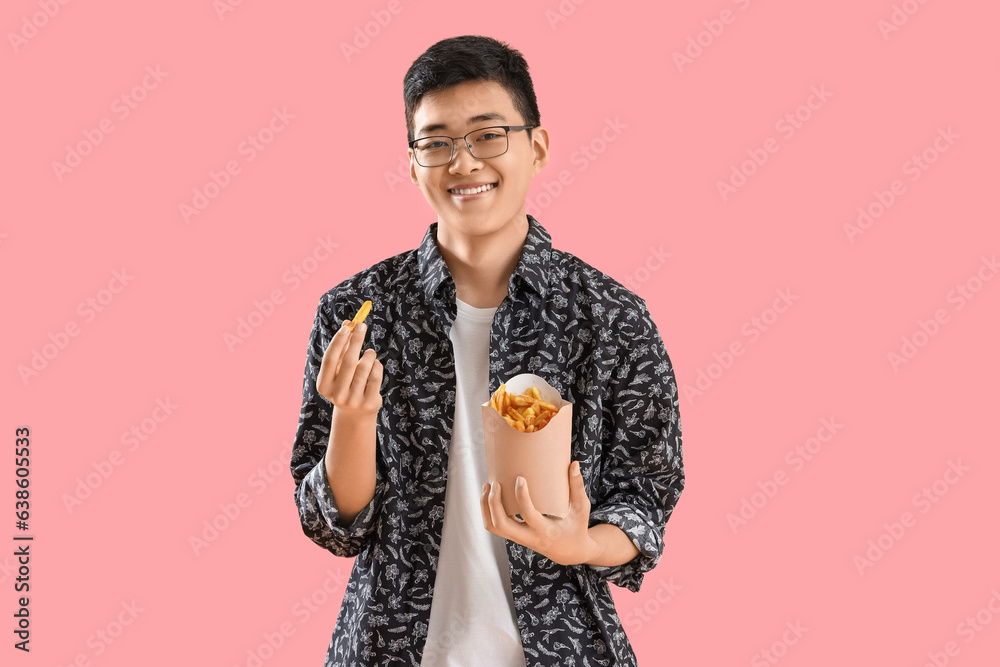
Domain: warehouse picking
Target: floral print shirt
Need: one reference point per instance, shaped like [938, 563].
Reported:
[591, 339]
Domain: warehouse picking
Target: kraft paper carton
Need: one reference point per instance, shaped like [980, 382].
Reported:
[542, 457]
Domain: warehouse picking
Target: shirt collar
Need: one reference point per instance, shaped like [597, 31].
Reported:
[532, 268]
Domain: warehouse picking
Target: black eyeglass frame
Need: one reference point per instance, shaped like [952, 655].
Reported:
[507, 128]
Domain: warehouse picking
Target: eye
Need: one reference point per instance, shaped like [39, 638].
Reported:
[432, 144]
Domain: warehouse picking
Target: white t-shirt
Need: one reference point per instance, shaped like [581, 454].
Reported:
[472, 611]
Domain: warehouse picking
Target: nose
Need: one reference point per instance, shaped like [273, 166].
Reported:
[464, 161]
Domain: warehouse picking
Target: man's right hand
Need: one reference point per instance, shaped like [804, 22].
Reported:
[350, 380]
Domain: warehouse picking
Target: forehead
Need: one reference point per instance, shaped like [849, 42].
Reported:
[468, 103]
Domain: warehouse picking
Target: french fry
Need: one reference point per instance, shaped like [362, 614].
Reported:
[362, 314]
[525, 412]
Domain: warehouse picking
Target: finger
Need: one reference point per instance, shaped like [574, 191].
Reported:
[510, 527]
[332, 356]
[484, 506]
[578, 500]
[531, 516]
[336, 346]
[374, 386]
[345, 374]
[502, 524]
[362, 374]
[494, 517]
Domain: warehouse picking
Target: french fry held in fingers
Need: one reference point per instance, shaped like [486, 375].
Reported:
[526, 412]
[362, 314]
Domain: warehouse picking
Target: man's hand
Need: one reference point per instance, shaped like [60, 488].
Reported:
[354, 387]
[566, 541]
[350, 380]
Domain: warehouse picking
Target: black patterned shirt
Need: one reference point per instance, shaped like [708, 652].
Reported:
[591, 339]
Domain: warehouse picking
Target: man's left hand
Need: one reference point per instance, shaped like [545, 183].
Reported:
[566, 541]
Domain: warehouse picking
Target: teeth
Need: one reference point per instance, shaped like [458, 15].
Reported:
[473, 191]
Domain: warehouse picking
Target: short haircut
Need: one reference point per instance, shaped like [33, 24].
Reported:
[470, 58]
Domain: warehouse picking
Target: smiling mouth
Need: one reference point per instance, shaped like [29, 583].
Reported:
[473, 191]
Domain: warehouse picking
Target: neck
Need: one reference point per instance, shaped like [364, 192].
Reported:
[481, 265]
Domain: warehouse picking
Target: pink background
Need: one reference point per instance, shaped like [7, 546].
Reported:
[719, 596]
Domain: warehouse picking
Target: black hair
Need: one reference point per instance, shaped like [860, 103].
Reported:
[469, 58]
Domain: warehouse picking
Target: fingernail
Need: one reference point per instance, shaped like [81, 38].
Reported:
[576, 469]
[486, 488]
[520, 481]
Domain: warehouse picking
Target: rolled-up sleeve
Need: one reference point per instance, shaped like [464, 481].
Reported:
[317, 509]
[642, 469]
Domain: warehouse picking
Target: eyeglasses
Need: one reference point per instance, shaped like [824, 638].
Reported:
[486, 142]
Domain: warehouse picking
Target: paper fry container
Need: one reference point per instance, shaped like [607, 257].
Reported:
[542, 457]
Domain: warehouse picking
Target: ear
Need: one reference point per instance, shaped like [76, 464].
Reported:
[540, 146]
[413, 166]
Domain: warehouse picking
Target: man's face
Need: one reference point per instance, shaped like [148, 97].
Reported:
[453, 112]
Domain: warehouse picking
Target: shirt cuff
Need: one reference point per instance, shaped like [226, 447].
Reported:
[647, 539]
[320, 516]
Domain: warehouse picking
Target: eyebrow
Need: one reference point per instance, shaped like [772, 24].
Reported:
[435, 127]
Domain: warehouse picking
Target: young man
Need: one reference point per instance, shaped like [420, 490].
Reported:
[389, 463]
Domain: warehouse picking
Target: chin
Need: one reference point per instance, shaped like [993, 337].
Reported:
[482, 224]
